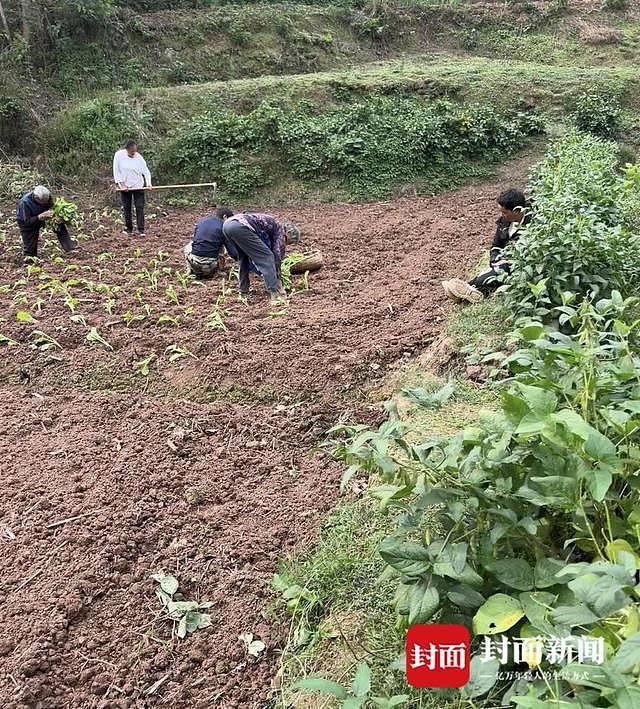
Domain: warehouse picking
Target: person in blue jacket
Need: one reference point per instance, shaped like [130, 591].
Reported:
[204, 254]
[32, 212]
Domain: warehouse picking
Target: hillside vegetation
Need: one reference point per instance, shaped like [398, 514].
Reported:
[159, 73]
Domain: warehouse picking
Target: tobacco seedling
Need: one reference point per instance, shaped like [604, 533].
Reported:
[184, 279]
[176, 352]
[43, 342]
[142, 367]
[21, 298]
[37, 305]
[253, 646]
[71, 302]
[109, 305]
[94, 336]
[24, 317]
[187, 616]
[129, 318]
[106, 255]
[169, 320]
[171, 294]
[79, 320]
[64, 212]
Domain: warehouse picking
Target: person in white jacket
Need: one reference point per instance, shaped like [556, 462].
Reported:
[131, 175]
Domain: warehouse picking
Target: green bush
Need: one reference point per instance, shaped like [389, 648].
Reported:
[582, 239]
[95, 128]
[598, 114]
[368, 147]
[616, 5]
[16, 180]
[526, 524]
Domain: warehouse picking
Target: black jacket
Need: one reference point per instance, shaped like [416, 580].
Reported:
[502, 238]
[27, 214]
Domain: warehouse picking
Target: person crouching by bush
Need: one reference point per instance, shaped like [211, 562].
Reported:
[515, 214]
[260, 241]
[34, 209]
[204, 254]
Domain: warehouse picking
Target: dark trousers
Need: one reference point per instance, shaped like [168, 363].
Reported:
[129, 198]
[250, 248]
[489, 281]
[30, 239]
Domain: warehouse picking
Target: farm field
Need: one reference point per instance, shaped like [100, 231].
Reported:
[203, 467]
[211, 500]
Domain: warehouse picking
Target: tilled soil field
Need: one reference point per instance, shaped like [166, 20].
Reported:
[202, 466]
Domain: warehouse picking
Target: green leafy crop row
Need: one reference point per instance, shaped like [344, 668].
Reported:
[527, 524]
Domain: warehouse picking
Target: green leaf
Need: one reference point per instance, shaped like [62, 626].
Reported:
[574, 615]
[628, 654]
[614, 549]
[628, 698]
[536, 608]
[361, 685]
[599, 447]
[391, 702]
[600, 482]
[515, 573]
[182, 627]
[424, 602]
[352, 703]
[255, 647]
[545, 571]
[499, 613]
[406, 557]
[532, 331]
[319, 684]
[25, 317]
[465, 597]
[169, 584]
[483, 675]
[541, 402]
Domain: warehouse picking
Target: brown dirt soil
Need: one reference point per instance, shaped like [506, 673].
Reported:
[202, 469]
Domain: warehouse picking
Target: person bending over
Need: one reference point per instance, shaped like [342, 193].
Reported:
[514, 208]
[260, 240]
[32, 212]
[204, 254]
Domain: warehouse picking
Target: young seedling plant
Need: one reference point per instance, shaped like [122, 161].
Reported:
[143, 366]
[95, 337]
[357, 695]
[176, 352]
[187, 616]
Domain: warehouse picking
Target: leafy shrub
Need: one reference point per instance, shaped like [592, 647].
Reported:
[581, 238]
[366, 146]
[16, 180]
[97, 128]
[526, 523]
[598, 114]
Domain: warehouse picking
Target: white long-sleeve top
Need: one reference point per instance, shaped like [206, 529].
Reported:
[133, 172]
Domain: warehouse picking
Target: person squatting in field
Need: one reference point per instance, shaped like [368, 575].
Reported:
[33, 210]
[204, 254]
[515, 214]
[256, 241]
[131, 175]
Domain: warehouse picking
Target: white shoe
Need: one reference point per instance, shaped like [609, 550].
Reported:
[461, 290]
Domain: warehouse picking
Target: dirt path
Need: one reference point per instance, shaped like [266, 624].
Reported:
[202, 468]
